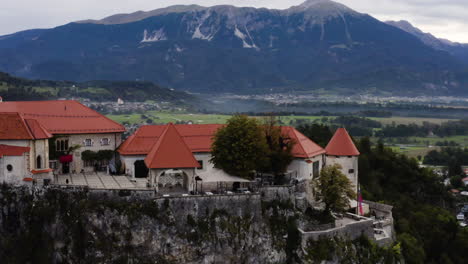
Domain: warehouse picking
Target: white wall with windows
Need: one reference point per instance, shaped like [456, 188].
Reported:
[92, 142]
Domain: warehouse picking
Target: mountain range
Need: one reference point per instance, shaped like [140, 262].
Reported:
[318, 45]
[459, 50]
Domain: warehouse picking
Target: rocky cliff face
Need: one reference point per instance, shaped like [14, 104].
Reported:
[57, 226]
[54, 226]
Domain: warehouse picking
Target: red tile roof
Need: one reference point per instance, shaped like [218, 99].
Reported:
[341, 144]
[7, 150]
[12, 126]
[64, 117]
[170, 151]
[37, 130]
[304, 147]
[41, 171]
[200, 137]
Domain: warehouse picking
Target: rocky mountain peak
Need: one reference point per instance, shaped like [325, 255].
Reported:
[322, 8]
[310, 3]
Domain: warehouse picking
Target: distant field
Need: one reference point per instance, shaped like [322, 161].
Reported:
[410, 120]
[420, 146]
[165, 117]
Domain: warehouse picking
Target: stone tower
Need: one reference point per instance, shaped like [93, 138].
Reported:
[341, 150]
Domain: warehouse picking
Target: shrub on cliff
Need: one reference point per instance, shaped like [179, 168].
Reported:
[334, 189]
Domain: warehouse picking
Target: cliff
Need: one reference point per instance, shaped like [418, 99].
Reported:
[63, 226]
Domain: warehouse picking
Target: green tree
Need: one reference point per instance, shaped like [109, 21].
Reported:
[279, 148]
[240, 147]
[320, 134]
[334, 189]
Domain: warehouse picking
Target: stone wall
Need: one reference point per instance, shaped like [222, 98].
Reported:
[280, 193]
[350, 231]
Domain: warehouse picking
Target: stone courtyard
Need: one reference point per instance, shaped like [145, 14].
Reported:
[101, 181]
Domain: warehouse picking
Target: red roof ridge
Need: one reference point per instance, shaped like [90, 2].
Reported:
[37, 130]
[341, 144]
[64, 116]
[170, 151]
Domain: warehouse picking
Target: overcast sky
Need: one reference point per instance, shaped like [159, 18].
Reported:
[443, 18]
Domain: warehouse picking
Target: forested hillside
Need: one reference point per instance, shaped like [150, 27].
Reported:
[14, 89]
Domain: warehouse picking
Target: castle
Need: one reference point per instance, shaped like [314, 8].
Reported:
[42, 139]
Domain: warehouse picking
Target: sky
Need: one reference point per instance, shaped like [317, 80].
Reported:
[443, 18]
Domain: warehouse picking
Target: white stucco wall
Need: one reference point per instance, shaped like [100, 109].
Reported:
[129, 163]
[39, 147]
[347, 163]
[302, 170]
[19, 171]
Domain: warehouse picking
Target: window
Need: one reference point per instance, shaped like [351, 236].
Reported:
[201, 164]
[9, 168]
[351, 171]
[88, 163]
[316, 169]
[53, 165]
[39, 162]
[105, 142]
[61, 145]
[88, 142]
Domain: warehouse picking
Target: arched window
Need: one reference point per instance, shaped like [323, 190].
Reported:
[39, 162]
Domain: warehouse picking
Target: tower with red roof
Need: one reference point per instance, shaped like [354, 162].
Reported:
[341, 150]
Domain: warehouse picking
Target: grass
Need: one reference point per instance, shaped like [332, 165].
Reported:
[410, 120]
[92, 90]
[51, 90]
[420, 146]
[165, 117]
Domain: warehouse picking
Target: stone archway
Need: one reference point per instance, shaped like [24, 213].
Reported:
[172, 180]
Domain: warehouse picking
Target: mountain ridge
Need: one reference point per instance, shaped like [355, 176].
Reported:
[319, 45]
[458, 50]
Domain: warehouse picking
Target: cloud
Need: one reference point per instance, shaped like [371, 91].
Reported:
[443, 18]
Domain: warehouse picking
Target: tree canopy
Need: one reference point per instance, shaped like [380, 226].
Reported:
[279, 147]
[423, 209]
[334, 189]
[240, 147]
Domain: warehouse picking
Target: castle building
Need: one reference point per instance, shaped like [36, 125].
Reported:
[341, 150]
[176, 156]
[24, 149]
[61, 131]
